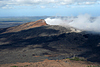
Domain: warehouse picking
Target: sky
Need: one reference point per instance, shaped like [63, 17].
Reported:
[10, 8]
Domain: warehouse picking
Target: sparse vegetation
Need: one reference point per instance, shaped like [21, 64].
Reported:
[77, 59]
[20, 66]
[14, 66]
[26, 65]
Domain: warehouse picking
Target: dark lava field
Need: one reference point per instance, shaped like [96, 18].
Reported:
[48, 42]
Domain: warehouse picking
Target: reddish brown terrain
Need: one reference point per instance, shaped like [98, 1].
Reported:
[26, 26]
[51, 63]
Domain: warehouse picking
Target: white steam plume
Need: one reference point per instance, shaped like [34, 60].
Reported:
[82, 22]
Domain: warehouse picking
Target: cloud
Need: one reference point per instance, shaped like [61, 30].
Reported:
[44, 2]
[89, 3]
[43, 6]
[83, 22]
[81, 6]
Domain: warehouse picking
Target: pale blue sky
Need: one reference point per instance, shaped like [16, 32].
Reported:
[49, 8]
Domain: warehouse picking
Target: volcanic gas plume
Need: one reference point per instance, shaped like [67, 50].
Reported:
[82, 22]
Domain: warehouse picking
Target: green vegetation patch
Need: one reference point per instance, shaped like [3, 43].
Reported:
[21, 66]
[77, 59]
[26, 66]
[14, 66]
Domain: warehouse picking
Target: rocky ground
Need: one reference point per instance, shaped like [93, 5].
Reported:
[50, 42]
[52, 63]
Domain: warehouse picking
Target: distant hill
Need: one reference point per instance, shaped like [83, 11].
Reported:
[14, 21]
[25, 26]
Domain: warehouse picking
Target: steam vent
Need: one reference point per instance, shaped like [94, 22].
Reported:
[26, 26]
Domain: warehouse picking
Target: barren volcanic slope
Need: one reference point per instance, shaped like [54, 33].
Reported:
[24, 26]
[32, 43]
